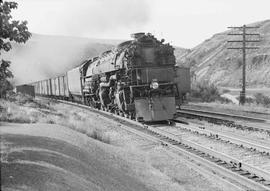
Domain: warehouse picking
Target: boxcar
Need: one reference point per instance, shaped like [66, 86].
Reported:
[52, 86]
[26, 89]
[42, 87]
[74, 81]
[63, 86]
[45, 87]
[66, 90]
[57, 86]
[49, 87]
[38, 87]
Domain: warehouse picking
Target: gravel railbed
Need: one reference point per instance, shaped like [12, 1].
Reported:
[259, 136]
[246, 156]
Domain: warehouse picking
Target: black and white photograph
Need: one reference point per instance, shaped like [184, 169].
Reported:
[135, 95]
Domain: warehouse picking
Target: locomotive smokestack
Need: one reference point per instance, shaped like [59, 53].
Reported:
[137, 35]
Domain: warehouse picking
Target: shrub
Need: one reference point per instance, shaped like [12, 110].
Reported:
[27, 100]
[206, 92]
[11, 112]
[224, 91]
[224, 100]
[19, 98]
[262, 99]
[98, 135]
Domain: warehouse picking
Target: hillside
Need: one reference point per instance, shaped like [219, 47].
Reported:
[45, 56]
[180, 53]
[212, 62]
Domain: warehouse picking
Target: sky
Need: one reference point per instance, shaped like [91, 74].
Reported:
[184, 23]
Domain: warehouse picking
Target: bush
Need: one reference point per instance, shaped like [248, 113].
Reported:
[27, 100]
[19, 98]
[224, 91]
[262, 99]
[206, 92]
[5, 86]
[98, 135]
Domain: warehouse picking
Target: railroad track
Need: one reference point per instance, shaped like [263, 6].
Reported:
[229, 138]
[237, 121]
[237, 175]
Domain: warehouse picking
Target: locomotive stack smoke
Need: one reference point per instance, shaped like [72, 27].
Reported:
[104, 17]
[46, 56]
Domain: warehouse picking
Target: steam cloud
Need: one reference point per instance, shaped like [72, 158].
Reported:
[48, 56]
[45, 57]
[105, 16]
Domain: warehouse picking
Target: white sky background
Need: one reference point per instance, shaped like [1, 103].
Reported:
[184, 23]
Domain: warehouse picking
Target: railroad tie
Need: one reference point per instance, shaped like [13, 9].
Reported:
[244, 173]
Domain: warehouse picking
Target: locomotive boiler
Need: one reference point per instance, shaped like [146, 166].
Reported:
[137, 79]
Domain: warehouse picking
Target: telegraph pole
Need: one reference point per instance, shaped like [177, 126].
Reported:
[244, 47]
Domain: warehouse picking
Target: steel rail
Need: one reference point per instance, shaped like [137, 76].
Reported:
[216, 154]
[261, 124]
[218, 135]
[222, 114]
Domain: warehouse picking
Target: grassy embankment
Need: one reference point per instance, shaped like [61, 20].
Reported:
[25, 109]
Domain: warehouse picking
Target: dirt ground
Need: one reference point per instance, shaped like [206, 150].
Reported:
[51, 157]
[55, 157]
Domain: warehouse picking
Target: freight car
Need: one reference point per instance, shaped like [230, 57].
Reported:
[138, 79]
[25, 89]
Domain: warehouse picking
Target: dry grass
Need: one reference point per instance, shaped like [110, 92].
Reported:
[262, 99]
[24, 109]
[148, 161]
[11, 112]
[204, 92]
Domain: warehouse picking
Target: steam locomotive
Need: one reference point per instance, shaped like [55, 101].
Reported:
[137, 79]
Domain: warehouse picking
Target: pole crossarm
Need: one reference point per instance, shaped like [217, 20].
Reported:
[243, 27]
[254, 47]
[242, 41]
[241, 34]
[242, 48]
[235, 48]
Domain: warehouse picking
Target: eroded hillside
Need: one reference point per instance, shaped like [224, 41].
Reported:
[211, 61]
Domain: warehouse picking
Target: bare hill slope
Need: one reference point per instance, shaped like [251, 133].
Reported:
[211, 61]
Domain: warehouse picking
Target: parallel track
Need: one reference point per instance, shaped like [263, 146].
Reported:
[243, 175]
[228, 119]
[222, 114]
[235, 139]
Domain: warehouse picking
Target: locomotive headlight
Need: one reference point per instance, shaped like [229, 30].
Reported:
[154, 85]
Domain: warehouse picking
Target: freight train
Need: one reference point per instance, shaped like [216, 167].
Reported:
[138, 79]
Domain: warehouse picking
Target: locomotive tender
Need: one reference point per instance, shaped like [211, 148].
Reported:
[138, 79]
